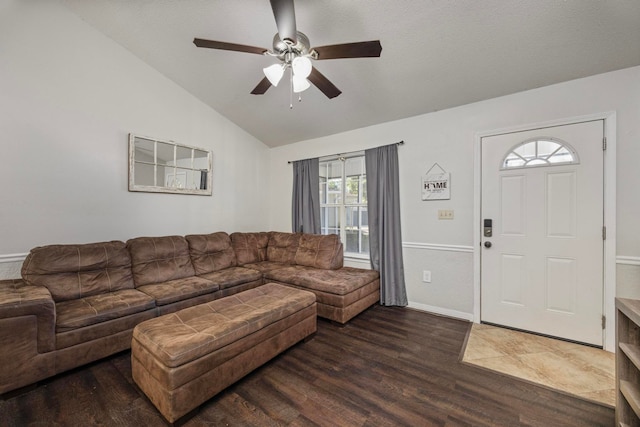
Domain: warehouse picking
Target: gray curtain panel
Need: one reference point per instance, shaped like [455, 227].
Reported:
[385, 238]
[305, 205]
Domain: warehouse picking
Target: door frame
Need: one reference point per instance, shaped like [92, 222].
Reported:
[609, 188]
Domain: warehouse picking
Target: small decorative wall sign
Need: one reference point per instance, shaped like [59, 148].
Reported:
[436, 185]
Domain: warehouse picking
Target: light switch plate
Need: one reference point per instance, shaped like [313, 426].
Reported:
[445, 214]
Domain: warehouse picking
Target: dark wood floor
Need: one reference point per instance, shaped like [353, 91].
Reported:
[387, 367]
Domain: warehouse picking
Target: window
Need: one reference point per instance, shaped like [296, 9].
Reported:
[540, 152]
[343, 202]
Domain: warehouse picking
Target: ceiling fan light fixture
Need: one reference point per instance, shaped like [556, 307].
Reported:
[274, 73]
[300, 84]
[292, 48]
[301, 66]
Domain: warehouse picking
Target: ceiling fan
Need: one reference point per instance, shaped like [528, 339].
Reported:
[293, 50]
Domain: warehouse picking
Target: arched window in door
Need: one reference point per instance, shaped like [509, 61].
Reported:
[540, 152]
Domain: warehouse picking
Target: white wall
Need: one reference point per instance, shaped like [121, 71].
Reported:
[447, 137]
[69, 97]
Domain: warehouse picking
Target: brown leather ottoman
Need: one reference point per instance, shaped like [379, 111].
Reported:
[181, 360]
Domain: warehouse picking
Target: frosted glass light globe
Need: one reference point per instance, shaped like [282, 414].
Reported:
[301, 66]
[274, 73]
[300, 84]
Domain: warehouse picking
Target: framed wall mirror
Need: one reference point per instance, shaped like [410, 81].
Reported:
[166, 167]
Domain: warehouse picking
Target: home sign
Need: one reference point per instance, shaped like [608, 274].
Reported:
[436, 186]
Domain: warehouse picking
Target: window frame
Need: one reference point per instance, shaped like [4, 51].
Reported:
[540, 160]
[343, 206]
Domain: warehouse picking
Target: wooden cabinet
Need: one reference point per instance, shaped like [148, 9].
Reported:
[628, 362]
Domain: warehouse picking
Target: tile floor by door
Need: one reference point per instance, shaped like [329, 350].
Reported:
[573, 368]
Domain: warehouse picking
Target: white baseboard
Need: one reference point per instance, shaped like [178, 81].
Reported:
[442, 311]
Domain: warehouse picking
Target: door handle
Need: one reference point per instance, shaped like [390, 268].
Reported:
[487, 245]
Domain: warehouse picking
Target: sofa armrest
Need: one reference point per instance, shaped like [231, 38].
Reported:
[18, 299]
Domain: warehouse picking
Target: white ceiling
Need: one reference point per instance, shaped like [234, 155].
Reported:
[436, 54]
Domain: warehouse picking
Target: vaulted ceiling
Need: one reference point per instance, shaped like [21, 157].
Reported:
[436, 54]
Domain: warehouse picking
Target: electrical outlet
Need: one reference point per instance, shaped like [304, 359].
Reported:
[445, 214]
[426, 276]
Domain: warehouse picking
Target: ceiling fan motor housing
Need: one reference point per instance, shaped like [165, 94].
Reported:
[281, 48]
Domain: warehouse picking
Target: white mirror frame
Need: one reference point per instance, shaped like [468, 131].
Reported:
[163, 187]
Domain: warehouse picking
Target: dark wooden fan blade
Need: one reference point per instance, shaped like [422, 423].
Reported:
[262, 87]
[323, 83]
[350, 50]
[285, 15]
[212, 44]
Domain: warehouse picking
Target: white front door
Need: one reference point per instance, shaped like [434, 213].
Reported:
[542, 261]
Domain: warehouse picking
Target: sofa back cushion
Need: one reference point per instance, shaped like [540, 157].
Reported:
[320, 251]
[282, 247]
[159, 259]
[250, 247]
[211, 252]
[77, 271]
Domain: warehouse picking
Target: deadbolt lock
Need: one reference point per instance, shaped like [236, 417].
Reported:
[488, 228]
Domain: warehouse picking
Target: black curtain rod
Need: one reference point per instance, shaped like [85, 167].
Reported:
[349, 152]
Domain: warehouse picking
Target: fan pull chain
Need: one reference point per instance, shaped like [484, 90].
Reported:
[291, 90]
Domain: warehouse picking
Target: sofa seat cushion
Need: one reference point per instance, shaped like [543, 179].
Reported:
[94, 309]
[82, 345]
[265, 266]
[179, 338]
[234, 276]
[339, 282]
[179, 289]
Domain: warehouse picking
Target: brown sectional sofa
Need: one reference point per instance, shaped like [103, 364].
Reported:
[79, 303]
